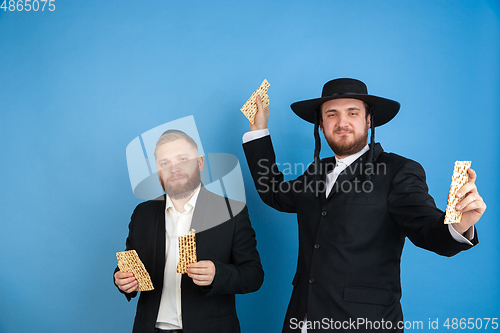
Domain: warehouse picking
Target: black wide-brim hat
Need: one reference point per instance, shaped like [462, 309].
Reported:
[384, 109]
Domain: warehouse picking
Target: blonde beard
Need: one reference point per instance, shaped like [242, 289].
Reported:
[182, 191]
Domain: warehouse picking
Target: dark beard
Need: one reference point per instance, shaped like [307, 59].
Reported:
[184, 191]
[344, 149]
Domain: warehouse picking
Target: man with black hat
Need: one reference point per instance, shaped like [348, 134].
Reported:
[354, 211]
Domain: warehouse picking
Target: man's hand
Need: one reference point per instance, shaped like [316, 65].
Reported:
[261, 117]
[126, 281]
[472, 206]
[202, 272]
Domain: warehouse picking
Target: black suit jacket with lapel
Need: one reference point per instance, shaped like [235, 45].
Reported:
[350, 243]
[230, 243]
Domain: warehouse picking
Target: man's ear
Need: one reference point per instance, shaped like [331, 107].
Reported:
[201, 160]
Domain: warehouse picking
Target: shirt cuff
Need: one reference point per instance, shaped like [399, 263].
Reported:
[469, 235]
[254, 135]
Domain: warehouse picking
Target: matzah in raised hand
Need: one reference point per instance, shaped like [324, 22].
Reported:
[128, 261]
[249, 109]
[187, 251]
[459, 179]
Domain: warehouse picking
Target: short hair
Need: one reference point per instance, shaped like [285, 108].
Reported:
[172, 135]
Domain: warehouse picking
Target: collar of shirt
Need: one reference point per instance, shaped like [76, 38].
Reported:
[345, 162]
[170, 311]
[188, 206]
[341, 165]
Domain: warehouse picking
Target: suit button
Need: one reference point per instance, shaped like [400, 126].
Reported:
[311, 281]
[317, 246]
[324, 213]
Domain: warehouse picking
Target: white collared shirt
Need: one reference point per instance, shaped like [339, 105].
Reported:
[340, 165]
[176, 224]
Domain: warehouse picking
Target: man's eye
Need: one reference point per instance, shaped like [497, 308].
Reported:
[163, 164]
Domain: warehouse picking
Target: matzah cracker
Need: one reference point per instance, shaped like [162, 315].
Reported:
[459, 179]
[187, 251]
[128, 261]
[249, 109]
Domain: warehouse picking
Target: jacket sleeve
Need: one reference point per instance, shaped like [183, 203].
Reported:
[129, 246]
[244, 273]
[414, 210]
[268, 180]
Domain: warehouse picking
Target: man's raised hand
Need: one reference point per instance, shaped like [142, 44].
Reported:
[261, 117]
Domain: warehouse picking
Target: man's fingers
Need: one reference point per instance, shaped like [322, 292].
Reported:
[201, 267]
[469, 187]
[472, 176]
[261, 117]
[199, 264]
[130, 287]
[258, 100]
[123, 275]
[202, 272]
[199, 277]
[201, 280]
[197, 270]
[466, 190]
[465, 202]
[126, 281]
[471, 202]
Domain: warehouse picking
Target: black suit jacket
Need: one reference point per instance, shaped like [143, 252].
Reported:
[228, 242]
[350, 243]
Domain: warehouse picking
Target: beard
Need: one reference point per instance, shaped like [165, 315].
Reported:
[181, 191]
[343, 148]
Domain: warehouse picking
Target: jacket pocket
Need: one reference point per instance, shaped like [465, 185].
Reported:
[366, 295]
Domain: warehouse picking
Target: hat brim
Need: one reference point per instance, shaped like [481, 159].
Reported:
[384, 109]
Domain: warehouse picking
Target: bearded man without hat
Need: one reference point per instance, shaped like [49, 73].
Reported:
[228, 263]
[351, 241]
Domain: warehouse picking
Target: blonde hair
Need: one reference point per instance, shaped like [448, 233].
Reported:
[172, 135]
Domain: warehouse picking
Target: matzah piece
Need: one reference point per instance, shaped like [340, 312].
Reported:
[249, 109]
[128, 261]
[459, 179]
[187, 251]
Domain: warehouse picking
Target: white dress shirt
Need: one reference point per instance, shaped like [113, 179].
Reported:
[176, 224]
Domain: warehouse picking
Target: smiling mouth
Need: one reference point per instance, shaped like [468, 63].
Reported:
[343, 131]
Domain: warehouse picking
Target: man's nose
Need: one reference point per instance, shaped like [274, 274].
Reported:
[175, 168]
[342, 120]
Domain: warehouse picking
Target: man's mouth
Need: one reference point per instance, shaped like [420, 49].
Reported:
[343, 132]
[176, 179]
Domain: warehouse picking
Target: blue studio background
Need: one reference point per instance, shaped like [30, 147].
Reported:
[77, 84]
